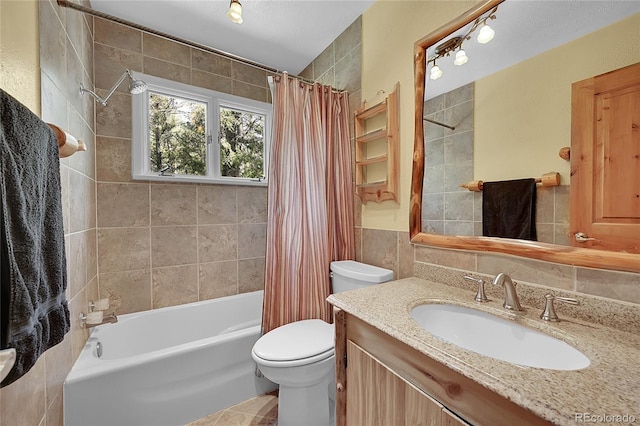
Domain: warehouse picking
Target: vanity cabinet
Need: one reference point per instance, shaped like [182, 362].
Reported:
[382, 381]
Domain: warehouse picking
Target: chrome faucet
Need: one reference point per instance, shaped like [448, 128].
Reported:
[510, 296]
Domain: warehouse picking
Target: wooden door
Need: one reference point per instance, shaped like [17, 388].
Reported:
[605, 160]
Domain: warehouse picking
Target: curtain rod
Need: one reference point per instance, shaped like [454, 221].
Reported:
[90, 11]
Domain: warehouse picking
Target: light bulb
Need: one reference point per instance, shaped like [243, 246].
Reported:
[235, 12]
[461, 57]
[436, 73]
[486, 34]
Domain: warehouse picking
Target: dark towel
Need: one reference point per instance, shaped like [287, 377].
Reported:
[509, 209]
[35, 315]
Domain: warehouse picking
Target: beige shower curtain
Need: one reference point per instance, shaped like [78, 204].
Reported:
[310, 205]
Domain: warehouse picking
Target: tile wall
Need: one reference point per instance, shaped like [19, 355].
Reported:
[162, 244]
[66, 60]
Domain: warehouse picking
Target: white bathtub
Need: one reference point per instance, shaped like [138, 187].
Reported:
[167, 366]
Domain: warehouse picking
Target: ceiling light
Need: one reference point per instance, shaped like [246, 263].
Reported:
[461, 57]
[486, 34]
[235, 11]
[436, 72]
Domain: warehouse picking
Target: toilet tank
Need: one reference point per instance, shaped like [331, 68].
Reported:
[350, 275]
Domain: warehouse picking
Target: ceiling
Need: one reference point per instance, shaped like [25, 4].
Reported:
[523, 29]
[282, 34]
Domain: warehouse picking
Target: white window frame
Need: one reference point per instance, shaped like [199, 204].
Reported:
[140, 149]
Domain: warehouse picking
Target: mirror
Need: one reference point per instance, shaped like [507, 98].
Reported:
[547, 251]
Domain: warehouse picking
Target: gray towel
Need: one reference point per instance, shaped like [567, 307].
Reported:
[34, 308]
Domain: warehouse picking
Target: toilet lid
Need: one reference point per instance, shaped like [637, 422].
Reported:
[297, 340]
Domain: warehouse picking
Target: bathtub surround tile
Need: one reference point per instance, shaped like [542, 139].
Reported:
[166, 50]
[250, 91]
[218, 279]
[173, 245]
[23, 401]
[211, 81]
[77, 278]
[58, 361]
[110, 63]
[167, 70]
[165, 290]
[55, 412]
[173, 204]
[78, 333]
[217, 204]
[217, 243]
[248, 74]
[123, 249]
[128, 291]
[210, 62]
[251, 275]
[115, 118]
[252, 204]
[113, 159]
[252, 240]
[116, 35]
[123, 205]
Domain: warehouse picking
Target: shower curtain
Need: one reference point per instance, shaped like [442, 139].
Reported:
[310, 203]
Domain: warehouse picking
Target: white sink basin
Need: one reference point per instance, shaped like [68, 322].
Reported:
[498, 338]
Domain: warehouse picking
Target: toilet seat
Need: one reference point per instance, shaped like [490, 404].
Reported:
[298, 343]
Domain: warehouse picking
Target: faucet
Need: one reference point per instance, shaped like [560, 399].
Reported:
[510, 296]
[94, 319]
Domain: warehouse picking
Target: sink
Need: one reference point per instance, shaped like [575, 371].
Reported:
[497, 338]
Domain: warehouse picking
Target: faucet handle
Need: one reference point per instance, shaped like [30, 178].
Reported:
[480, 296]
[549, 313]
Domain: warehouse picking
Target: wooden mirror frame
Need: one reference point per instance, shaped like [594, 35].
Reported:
[568, 255]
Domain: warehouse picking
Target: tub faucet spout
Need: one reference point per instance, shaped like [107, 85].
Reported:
[111, 318]
[511, 301]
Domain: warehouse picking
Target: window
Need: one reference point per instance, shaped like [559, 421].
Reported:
[187, 133]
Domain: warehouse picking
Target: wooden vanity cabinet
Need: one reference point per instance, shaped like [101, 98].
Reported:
[382, 381]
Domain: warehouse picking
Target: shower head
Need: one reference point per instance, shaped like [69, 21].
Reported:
[135, 88]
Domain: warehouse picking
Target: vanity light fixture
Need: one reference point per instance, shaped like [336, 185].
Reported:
[235, 11]
[436, 72]
[454, 44]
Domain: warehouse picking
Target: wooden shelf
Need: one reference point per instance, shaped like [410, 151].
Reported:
[384, 186]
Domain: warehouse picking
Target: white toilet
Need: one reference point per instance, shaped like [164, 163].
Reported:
[300, 356]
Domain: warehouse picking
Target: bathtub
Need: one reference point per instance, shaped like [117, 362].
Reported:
[167, 366]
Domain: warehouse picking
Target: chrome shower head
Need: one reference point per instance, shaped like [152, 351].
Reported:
[137, 86]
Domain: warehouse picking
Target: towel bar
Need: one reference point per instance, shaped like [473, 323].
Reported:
[67, 144]
[547, 179]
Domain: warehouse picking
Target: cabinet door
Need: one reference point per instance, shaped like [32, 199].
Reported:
[450, 419]
[377, 396]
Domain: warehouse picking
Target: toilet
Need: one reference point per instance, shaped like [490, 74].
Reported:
[300, 356]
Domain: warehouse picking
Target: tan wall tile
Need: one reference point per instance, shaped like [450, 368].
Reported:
[249, 91]
[217, 204]
[53, 59]
[121, 205]
[252, 204]
[450, 258]
[248, 74]
[545, 200]
[252, 239]
[211, 81]
[113, 159]
[348, 71]
[80, 197]
[358, 241]
[173, 205]
[77, 279]
[325, 60]
[166, 50]
[218, 279]
[175, 285]
[532, 271]
[128, 291]
[117, 35]
[381, 248]
[78, 333]
[405, 256]
[217, 243]
[349, 39]
[23, 401]
[210, 62]
[115, 118]
[123, 249]
[251, 275]
[58, 361]
[173, 245]
[609, 284]
[110, 64]
[168, 70]
[55, 412]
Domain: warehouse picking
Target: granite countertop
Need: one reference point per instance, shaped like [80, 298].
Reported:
[610, 386]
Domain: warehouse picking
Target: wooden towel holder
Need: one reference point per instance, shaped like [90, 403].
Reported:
[547, 179]
[67, 144]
